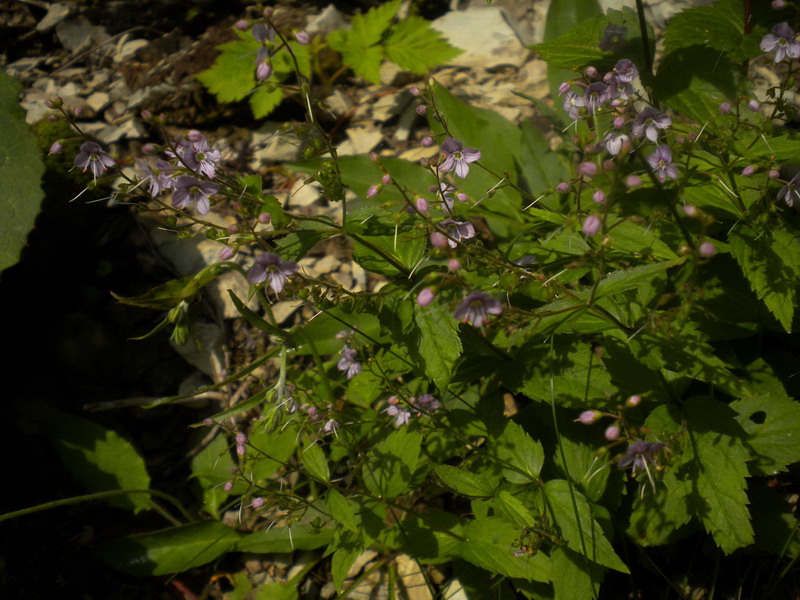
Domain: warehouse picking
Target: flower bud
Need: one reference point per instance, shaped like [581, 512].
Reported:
[612, 433]
[591, 72]
[774, 174]
[373, 156]
[421, 109]
[619, 122]
[264, 218]
[258, 502]
[438, 240]
[462, 197]
[55, 102]
[564, 87]
[240, 450]
[725, 108]
[591, 225]
[427, 141]
[634, 401]
[588, 417]
[425, 297]
[302, 38]
[690, 210]
[226, 253]
[79, 110]
[421, 204]
[228, 486]
[267, 12]
[588, 168]
[754, 105]
[263, 71]
[633, 181]
[241, 24]
[563, 187]
[453, 264]
[609, 165]
[374, 190]
[748, 170]
[148, 148]
[414, 91]
[386, 179]
[707, 249]
[233, 228]
[56, 147]
[599, 196]
[778, 4]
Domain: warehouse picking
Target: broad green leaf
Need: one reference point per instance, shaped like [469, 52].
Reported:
[713, 198]
[99, 458]
[396, 254]
[771, 263]
[170, 294]
[272, 448]
[695, 81]
[298, 536]
[772, 423]
[296, 245]
[323, 330]
[515, 509]
[367, 29]
[276, 591]
[341, 510]
[574, 577]
[264, 100]
[578, 47]
[588, 534]
[172, 550]
[776, 527]
[430, 536]
[720, 27]
[628, 279]
[463, 482]
[564, 15]
[491, 543]
[415, 46]
[630, 238]
[343, 559]
[391, 463]
[439, 344]
[540, 167]
[584, 467]
[522, 457]
[212, 468]
[232, 76]
[316, 463]
[21, 170]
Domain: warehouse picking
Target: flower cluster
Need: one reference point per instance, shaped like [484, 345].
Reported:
[347, 356]
[425, 404]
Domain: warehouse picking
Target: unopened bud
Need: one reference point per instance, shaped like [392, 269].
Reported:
[240, 450]
[588, 168]
[258, 502]
[421, 204]
[462, 197]
[707, 249]
[634, 401]
[414, 91]
[302, 38]
[79, 110]
[241, 24]
[619, 122]
[774, 174]
[748, 170]
[386, 179]
[228, 486]
[633, 181]
[588, 417]
[55, 102]
[690, 210]
[725, 108]
[564, 87]
[612, 433]
[421, 109]
[374, 190]
[591, 72]
[373, 156]
[563, 187]
[263, 71]
[427, 141]
[227, 253]
[264, 218]
[591, 225]
[438, 240]
[56, 147]
[754, 105]
[778, 4]
[599, 196]
[453, 264]
[425, 297]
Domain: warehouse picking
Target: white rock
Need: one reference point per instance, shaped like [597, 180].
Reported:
[338, 103]
[204, 348]
[270, 145]
[484, 35]
[405, 122]
[327, 264]
[328, 20]
[22, 65]
[284, 309]
[79, 34]
[304, 194]
[126, 49]
[390, 105]
[56, 13]
[98, 101]
[360, 140]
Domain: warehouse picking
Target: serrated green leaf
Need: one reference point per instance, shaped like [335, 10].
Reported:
[367, 29]
[343, 559]
[341, 510]
[264, 100]
[391, 463]
[99, 458]
[316, 463]
[171, 550]
[272, 448]
[298, 536]
[584, 467]
[439, 344]
[414, 46]
[21, 170]
[399, 253]
[463, 482]
[630, 238]
[522, 456]
[772, 423]
[540, 167]
[771, 263]
[232, 76]
[276, 591]
[515, 509]
[589, 534]
[323, 330]
[212, 468]
[490, 545]
[720, 27]
[574, 578]
[628, 279]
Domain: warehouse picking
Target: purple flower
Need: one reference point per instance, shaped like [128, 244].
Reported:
[588, 417]
[401, 415]
[159, 178]
[270, 267]
[572, 104]
[707, 249]
[374, 190]
[427, 403]
[725, 108]
[596, 95]
[199, 157]
[789, 193]
[618, 89]
[625, 70]
[302, 38]
[191, 191]
[476, 307]
[748, 170]
[425, 297]
[56, 147]
[457, 230]
[445, 192]
[615, 141]
[648, 122]
[564, 87]
[458, 157]
[92, 158]
[330, 426]
[348, 362]
[262, 32]
[782, 41]
[661, 162]
[638, 455]
[263, 71]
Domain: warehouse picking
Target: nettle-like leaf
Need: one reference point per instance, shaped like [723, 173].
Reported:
[720, 27]
[522, 457]
[391, 463]
[21, 170]
[439, 344]
[771, 263]
[414, 46]
[212, 468]
[463, 482]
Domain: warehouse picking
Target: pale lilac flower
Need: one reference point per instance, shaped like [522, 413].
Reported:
[425, 297]
[458, 230]
[445, 193]
[790, 192]
[458, 157]
[386, 179]
[563, 187]
[588, 168]
[241, 24]
[588, 417]
[754, 105]
[572, 104]
[191, 191]
[707, 249]
[619, 89]
[427, 403]
[56, 147]
[270, 267]
[92, 158]
[226, 253]
[748, 170]
[421, 110]
[330, 426]
[159, 178]
[618, 122]
[596, 94]
[240, 450]
[661, 162]
[591, 72]
[615, 141]
[591, 225]
[564, 87]
[262, 32]
[302, 38]
[782, 41]
[401, 415]
[228, 486]
[625, 70]
[348, 362]
[648, 122]
[476, 307]
[638, 455]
